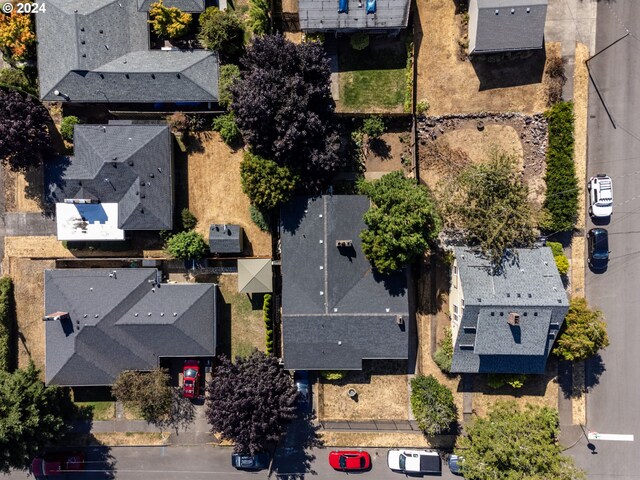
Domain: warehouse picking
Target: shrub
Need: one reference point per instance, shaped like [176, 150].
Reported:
[444, 354]
[229, 73]
[561, 201]
[260, 218]
[562, 263]
[17, 38]
[268, 322]
[168, 21]
[189, 220]
[422, 107]
[497, 380]
[16, 78]
[7, 324]
[186, 245]
[259, 17]
[359, 40]
[222, 31]
[333, 375]
[265, 183]
[226, 126]
[556, 80]
[66, 127]
[432, 404]
[584, 332]
[373, 126]
[556, 248]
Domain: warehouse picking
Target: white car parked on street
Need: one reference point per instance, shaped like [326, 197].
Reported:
[600, 196]
[414, 461]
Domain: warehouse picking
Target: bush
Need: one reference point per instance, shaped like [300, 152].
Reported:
[497, 380]
[222, 31]
[189, 220]
[268, 322]
[16, 78]
[259, 17]
[17, 38]
[561, 201]
[260, 218]
[66, 127]
[333, 375]
[444, 354]
[228, 75]
[584, 332]
[359, 40]
[373, 127]
[556, 248]
[7, 324]
[168, 21]
[265, 183]
[226, 126]
[186, 245]
[432, 404]
[422, 107]
[562, 263]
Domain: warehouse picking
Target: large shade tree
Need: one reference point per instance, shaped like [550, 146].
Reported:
[32, 416]
[515, 443]
[24, 136]
[400, 224]
[265, 183]
[432, 404]
[283, 106]
[251, 402]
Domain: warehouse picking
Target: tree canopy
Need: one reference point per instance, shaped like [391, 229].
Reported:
[583, 334]
[168, 21]
[265, 183]
[222, 31]
[288, 84]
[432, 404]
[186, 245]
[32, 416]
[24, 136]
[515, 443]
[17, 38]
[401, 223]
[259, 17]
[488, 203]
[251, 402]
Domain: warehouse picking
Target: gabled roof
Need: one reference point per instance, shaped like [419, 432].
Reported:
[125, 164]
[528, 285]
[98, 51]
[504, 25]
[330, 294]
[318, 15]
[122, 322]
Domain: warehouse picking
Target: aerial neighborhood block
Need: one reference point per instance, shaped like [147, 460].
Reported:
[505, 321]
[99, 51]
[336, 310]
[506, 25]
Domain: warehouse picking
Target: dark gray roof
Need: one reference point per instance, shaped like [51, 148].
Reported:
[126, 156]
[109, 328]
[531, 287]
[192, 6]
[503, 25]
[329, 294]
[316, 15]
[225, 238]
[98, 51]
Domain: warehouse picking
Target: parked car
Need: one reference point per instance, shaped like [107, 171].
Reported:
[349, 460]
[598, 248]
[57, 464]
[454, 463]
[414, 461]
[301, 379]
[191, 379]
[600, 196]
[244, 461]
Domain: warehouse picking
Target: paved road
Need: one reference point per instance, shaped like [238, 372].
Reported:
[613, 406]
[213, 463]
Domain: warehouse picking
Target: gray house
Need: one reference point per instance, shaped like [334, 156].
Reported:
[99, 322]
[506, 25]
[98, 51]
[336, 311]
[120, 179]
[505, 322]
[353, 15]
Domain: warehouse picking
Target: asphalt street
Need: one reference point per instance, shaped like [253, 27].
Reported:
[614, 379]
[214, 463]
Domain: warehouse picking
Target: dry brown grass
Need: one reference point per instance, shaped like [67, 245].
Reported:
[22, 202]
[381, 440]
[295, 37]
[215, 193]
[452, 85]
[119, 439]
[382, 393]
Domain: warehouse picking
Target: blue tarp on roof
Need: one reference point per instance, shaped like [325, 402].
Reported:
[371, 6]
[343, 6]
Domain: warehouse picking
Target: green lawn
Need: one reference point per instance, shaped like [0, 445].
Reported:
[99, 410]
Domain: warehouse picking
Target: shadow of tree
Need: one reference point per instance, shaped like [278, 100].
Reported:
[594, 368]
[380, 148]
[293, 459]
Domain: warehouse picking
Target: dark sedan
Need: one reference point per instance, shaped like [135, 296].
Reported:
[244, 461]
[598, 248]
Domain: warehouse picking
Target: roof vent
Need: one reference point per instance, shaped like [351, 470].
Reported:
[399, 320]
[175, 314]
[135, 314]
[339, 342]
[513, 10]
[514, 319]
[56, 316]
[148, 314]
[344, 243]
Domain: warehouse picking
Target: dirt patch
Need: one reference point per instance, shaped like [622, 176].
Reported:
[118, 439]
[295, 37]
[382, 440]
[392, 151]
[382, 393]
[452, 85]
[214, 191]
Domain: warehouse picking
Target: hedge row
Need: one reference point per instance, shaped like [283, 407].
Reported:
[561, 203]
[268, 322]
[7, 324]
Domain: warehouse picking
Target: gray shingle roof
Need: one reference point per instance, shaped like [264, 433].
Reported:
[98, 51]
[225, 238]
[192, 6]
[317, 15]
[109, 328]
[531, 287]
[126, 156]
[503, 25]
[331, 294]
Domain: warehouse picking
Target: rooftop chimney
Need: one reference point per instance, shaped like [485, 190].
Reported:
[514, 319]
[55, 316]
[344, 243]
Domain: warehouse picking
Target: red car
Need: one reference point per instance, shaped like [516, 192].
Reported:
[191, 378]
[349, 460]
[54, 464]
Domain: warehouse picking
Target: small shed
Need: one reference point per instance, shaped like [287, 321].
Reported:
[255, 275]
[224, 238]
